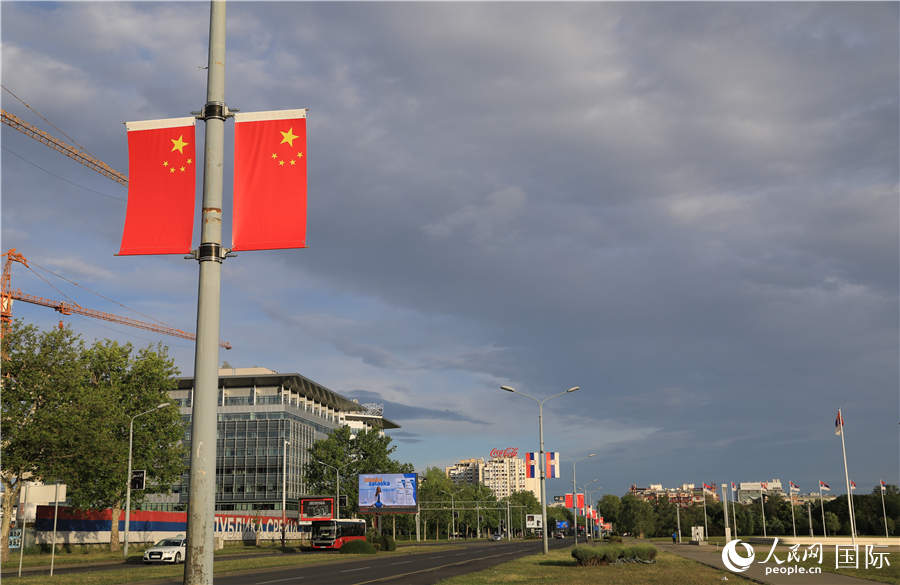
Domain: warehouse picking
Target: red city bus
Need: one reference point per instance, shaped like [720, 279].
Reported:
[333, 534]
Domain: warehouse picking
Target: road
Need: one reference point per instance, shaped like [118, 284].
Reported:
[409, 569]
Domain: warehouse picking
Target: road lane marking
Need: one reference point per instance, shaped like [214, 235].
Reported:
[454, 564]
[400, 563]
[279, 580]
[356, 569]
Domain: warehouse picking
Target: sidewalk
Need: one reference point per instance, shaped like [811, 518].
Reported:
[709, 555]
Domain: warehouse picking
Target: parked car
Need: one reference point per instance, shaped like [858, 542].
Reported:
[497, 537]
[167, 550]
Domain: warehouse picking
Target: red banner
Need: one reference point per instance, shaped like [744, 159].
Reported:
[161, 160]
[269, 180]
[569, 501]
[580, 501]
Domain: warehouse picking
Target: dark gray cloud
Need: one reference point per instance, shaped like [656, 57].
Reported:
[690, 210]
[406, 412]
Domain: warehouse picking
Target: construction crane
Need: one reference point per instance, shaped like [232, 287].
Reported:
[58, 145]
[8, 295]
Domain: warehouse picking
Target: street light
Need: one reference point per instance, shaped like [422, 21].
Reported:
[590, 500]
[283, 487]
[543, 464]
[452, 513]
[337, 486]
[575, 497]
[128, 481]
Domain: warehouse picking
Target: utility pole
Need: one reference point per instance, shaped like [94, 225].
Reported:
[202, 504]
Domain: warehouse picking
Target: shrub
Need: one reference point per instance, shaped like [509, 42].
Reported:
[358, 547]
[388, 542]
[589, 556]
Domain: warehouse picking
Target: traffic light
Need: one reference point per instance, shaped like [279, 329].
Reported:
[137, 479]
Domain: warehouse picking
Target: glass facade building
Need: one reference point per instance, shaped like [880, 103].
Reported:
[267, 421]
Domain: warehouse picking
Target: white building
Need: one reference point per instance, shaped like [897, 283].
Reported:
[503, 475]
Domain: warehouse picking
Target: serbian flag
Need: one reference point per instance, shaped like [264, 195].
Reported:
[824, 486]
[794, 487]
[570, 501]
[159, 218]
[764, 485]
[883, 486]
[530, 467]
[839, 424]
[852, 485]
[269, 180]
[552, 464]
[709, 487]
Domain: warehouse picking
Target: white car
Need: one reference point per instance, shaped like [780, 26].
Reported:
[167, 550]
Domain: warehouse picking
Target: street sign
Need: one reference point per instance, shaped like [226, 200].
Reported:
[137, 479]
[15, 538]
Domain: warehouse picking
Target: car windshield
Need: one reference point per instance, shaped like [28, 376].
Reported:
[169, 542]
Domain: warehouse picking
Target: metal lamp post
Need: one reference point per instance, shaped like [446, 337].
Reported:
[575, 496]
[590, 500]
[128, 480]
[452, 513]
[337, 486]
[283, 488]
[541, 454]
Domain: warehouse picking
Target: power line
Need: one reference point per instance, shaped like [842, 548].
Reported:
[60, 177]
[41, 116]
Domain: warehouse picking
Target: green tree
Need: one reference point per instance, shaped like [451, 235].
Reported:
[42, 411]
[353, 454]
[610, 506]
[637, 516]
[122, 384]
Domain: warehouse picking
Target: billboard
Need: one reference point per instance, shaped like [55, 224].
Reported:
[316, 508]
[388, 492]
[534, 521]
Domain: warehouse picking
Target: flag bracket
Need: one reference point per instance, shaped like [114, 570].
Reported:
[210, 251]
[215, 111]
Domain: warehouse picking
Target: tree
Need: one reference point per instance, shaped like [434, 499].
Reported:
[637, 516]
[364, 452]
[610, 506]
[43, 407]
[123, 384]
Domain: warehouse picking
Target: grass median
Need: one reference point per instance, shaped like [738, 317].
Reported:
[559, 568]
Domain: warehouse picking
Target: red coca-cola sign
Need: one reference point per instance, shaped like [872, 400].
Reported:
[509, 452]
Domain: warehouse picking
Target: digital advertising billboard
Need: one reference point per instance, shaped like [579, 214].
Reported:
[387, 493]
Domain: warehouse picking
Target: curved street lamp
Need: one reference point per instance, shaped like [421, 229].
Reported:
[337, 485]
[128, 481]
[543, 464]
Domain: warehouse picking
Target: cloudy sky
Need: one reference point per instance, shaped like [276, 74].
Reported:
[689, 210]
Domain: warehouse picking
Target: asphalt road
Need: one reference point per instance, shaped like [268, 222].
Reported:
[416, 569]
[412, 569]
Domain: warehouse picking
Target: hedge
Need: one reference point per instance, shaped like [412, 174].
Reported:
[358, 547]
[589, 556]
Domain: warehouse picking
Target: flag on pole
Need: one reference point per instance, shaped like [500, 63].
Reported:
[530, 467]
[552, 464]
[269, 180]
[570, 501]
[794, 487]
[733, 487]
[709, 487]
[579, 501]
[159, 218]
[839, 424]
[852, 485]
[764, 485]
[883, 486]
[824, 486]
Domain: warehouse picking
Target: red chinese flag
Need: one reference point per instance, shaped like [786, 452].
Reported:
[161, 178]
[269, 180]
[569, 501]
[580, 501]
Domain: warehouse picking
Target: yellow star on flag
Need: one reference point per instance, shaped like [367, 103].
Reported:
[281, 163]
[274, 155]
[288, 137]
[178, 144]
[172, 170]
[181, 169]
[189, 161]
[299, 155]
[293, 162]
[165, 163]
